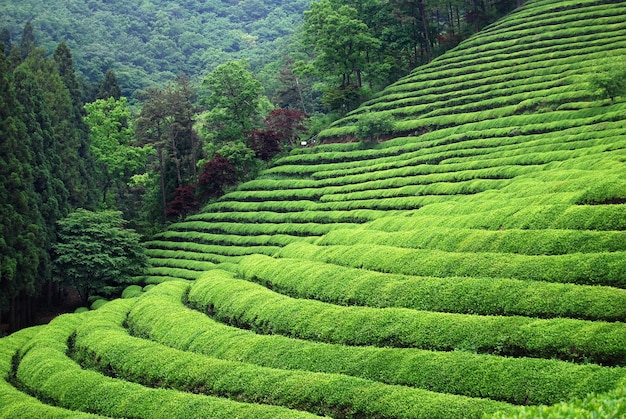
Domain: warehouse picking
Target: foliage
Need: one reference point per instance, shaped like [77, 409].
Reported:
[372, 127]
[288, 124]
[184, 202]
[265, 143]
[113, 143]
[165, 122]
[150, 43]
[95, 250]
[234, 98]
[611, 82]
[216, 174]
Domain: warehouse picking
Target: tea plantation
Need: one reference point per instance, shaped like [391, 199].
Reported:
[471, 265]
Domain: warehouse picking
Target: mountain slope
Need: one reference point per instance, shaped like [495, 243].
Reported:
[474, 263]
[151, 42]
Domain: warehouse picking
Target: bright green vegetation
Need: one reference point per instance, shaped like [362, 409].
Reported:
[473, 265]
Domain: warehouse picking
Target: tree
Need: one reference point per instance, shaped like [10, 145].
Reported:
[611, 81]
[265, 143]
[20, 220]
[373, 126]
[28, 39]
[112, 143]
[166, 123]
[84, 189]
[341, 43]
[288, 124]
[184, 202]
[216, 174]
[5, 40]
[109, 87]
[94, 250]
[234, 98]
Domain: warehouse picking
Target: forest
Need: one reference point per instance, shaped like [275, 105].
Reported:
[157, 110]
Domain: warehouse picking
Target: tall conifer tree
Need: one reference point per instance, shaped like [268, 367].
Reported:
[20, 221]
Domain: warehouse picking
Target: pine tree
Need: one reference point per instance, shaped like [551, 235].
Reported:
[5, 39]
[84, 193]
[52, 195]
[28, 40]
[109, 87]
[20, 221]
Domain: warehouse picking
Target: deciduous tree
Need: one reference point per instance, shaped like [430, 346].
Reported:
[95, 250]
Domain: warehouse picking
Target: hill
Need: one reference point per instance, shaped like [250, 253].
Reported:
[150, 42]
[474, 263]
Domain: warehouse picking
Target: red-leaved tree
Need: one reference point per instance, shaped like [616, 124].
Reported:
[184, 202]
[216, 174]
[265, 143]
[287, 123]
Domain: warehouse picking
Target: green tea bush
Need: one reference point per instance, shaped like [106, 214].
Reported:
[132, 291]
[528, 242]
[160, 316]
[606, 268]
[15, 403]
[168, 273]
[248, 305]
[486, 296]
[44, 369]
[110, 349]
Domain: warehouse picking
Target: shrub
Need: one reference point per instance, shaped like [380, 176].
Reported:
[372, 127]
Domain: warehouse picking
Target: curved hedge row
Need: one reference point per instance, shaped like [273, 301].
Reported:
[13, 402]
[105, 345]
[606, 268]
[160, 316]
[527, 242]
[510, 215]
[486, 296]
[252, 306]
[45, 370]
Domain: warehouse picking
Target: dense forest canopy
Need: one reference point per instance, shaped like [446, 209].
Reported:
[151, 42]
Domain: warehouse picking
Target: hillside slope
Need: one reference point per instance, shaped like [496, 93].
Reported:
[475, 263]
[150, 42]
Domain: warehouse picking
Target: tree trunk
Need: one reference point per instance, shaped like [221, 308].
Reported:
[162, 173]
[422, 12]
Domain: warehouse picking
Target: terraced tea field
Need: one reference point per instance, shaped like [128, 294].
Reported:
[474, 265]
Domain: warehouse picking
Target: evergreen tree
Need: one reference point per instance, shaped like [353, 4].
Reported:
[52, 196]
[28, 40]
[20, 221]
[84, 193]
[109, 87]
[5, 39]
[166, 123]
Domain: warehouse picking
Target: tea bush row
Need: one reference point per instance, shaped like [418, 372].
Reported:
[484, 296]
[187, 264]
[527, 217]
[355, 216]
[166, 272]
[416, 175]
[15, 403]
[255, 229]
[109, 348]
[606, 268]
[45, 370]
[203, 242]
[160, 316]
[244, 304]
[528, 242]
